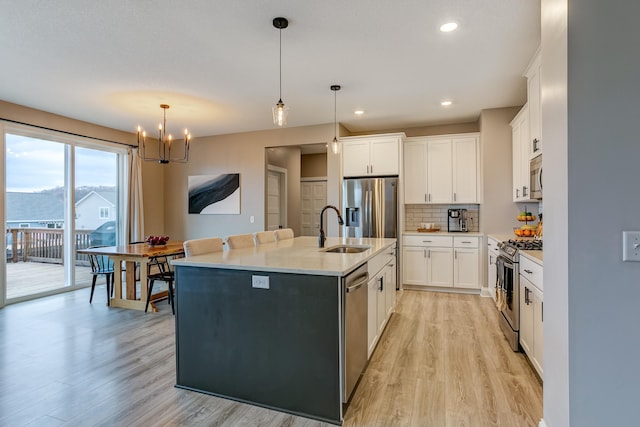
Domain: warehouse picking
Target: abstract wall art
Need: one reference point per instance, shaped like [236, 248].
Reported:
[214, 194]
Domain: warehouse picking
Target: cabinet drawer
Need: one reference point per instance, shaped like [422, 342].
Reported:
[532, 271]
[428, 240]
[379, 261]
[466, 242]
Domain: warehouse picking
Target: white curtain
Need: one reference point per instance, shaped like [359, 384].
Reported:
[135, 210]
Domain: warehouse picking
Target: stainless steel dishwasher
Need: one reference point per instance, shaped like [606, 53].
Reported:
[355, 327]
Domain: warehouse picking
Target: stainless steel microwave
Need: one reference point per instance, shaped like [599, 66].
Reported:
[535, 181]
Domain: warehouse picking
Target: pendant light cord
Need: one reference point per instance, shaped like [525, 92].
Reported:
[280, 63]
[335, 115]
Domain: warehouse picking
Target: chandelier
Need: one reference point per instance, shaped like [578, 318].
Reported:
[164, 143]
[280, 110]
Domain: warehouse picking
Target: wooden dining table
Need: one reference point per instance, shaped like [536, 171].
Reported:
[131, 254]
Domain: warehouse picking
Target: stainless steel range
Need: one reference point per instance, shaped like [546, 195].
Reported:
[508, 286]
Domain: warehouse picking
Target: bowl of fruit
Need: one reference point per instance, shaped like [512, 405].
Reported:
[525, 216]
[525, 231]
[156, 240]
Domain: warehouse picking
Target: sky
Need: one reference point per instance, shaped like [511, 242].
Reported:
[34, 165]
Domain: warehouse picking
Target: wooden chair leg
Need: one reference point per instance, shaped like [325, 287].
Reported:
[149, 292]
[93, 287]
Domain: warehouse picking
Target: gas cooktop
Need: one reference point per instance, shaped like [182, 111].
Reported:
[510, 248]
[526, 245]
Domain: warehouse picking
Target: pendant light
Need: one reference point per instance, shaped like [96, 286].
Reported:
[335, 144]
[280, 110]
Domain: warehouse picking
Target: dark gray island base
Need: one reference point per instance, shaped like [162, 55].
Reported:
[279, 347]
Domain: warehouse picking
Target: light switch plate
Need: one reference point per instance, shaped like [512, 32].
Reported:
[260, 282]
[631, 246]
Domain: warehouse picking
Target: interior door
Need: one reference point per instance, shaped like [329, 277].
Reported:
[312, 199]
[274, 201]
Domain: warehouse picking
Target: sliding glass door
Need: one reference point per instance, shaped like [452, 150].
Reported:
[61, 195]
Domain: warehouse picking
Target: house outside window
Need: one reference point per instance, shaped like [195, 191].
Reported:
[104, 213]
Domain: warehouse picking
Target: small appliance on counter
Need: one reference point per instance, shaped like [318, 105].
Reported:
[457, 220]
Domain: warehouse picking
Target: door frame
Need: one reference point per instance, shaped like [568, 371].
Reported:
[283, 195]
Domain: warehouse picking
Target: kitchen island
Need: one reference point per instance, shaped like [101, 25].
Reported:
[266, 325]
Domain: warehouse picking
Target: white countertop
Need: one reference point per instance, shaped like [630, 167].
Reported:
[300, 255]
[443, 233]
[535, 256]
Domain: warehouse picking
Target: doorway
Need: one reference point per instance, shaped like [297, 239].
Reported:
[276, 198]
[58, 192]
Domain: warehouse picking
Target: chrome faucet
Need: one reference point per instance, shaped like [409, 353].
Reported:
[321, 237]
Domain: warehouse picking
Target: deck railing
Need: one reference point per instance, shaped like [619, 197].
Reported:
[43, 245]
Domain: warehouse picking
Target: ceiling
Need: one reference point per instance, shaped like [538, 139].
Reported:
[216, 62]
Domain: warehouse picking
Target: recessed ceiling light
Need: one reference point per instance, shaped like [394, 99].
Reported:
[358, 112]
[449, 26]
[446, 103]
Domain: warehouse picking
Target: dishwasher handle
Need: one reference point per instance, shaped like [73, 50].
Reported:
[358, 284]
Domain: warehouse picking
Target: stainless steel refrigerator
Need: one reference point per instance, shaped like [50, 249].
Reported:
[370, 207]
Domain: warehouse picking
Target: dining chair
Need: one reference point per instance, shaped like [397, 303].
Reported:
[263, 237]
[163, 274]
[284, 234]
[202, 246]
[101, 265]
[239, 241]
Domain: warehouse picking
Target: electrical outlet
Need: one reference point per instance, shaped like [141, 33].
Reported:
[252, 219]
[631, 246]
[260, 282]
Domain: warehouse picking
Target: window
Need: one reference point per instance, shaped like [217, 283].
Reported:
[104, 213]
[23, 225]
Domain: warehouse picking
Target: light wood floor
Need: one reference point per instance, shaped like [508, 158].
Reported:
[441, 362]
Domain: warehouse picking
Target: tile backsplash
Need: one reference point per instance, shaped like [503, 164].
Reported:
[437, 214]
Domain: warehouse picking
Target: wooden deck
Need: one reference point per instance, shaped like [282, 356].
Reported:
[29, 278]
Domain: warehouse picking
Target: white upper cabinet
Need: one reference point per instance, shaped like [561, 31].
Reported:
[534, 100]
[441, 169]
[371, 155]
[521, 149]
[465, 171]
[415, 172]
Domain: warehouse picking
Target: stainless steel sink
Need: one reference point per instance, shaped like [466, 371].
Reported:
[346, 249]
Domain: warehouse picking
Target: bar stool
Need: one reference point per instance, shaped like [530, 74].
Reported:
[264, 237]
[284, 234]
[202, 246]
[239, 241]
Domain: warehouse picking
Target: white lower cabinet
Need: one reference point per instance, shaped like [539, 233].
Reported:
[381, 296]
[441, 261]
[439, 267]
[531, 314]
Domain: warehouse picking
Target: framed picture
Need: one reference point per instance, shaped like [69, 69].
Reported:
[214, 194]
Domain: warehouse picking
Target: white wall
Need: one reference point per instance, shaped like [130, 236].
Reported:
[242, 153]
[590, 90]
[556, 220]
[497, 210]
[603, 154]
